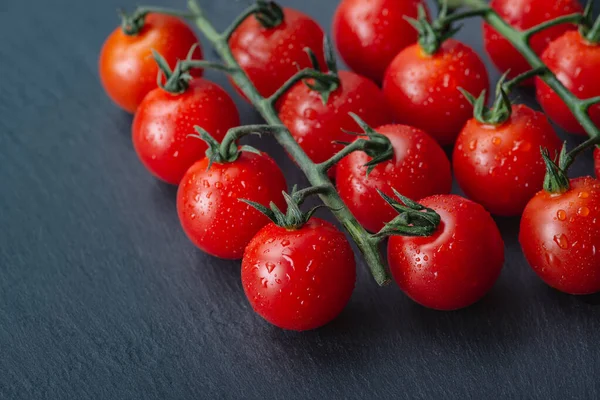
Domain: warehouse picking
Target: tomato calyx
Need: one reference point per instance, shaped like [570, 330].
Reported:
[269, 14]
[132, 24]
[329, 81]
[590, 28]
[500, 111]
[432, 34]
[226, 152]
[413, 218]
[294, 218]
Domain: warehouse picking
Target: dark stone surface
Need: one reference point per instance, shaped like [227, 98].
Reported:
[103, 297]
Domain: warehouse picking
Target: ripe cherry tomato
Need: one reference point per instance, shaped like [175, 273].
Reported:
[560, 237]
[369, 33]
[269, 56]
[524, 14]
[500, 167]
[163, 122]
[208, 202]
[315, 125]
[423, 89]
[597, 161]
[458, 264]
[127, 69]
[299, 279]
[418, 169]
[576, 64]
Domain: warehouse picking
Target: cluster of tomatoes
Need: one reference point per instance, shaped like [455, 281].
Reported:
[299, 271]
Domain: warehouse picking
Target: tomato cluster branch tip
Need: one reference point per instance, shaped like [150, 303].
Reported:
[500, 111]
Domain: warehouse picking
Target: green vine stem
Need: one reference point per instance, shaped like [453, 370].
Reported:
[366, 244]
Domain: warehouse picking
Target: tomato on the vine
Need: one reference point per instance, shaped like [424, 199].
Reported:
[458, 264]
[164, 121]
[128, 71]
[369, 33]
[315, 126]
[576, 63]
[521, 15]
[419, 168]
[499, 166]
[271, 55]
[423, 89]
[560, 237]
[299, 279]
[209, 208]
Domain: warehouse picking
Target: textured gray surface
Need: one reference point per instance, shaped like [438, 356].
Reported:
[103, 297]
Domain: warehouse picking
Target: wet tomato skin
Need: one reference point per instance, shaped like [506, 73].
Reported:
[418, 169]
[560, 237]
[128, 71]
[597, 162]
[164, 121]
[299, 279]
[369, 33]
[458, 264]
[575, 63]
[500, 166]
[209, 208]
[270, 56]
[423, 90]
[315, 126]
[524, 14]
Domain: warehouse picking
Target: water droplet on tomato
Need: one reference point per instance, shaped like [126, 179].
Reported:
[583, 195]
[561, 241]
[496, 141]
[285, 242]
[583, 211]
[561, 215]
[270, 267]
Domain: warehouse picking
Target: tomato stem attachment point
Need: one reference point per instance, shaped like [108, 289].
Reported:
[132, 24]
[500, 111]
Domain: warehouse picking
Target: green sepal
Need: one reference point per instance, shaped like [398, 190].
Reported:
[329, 81]
[556, 179]
[500, 111]
[378, 146]
[132, 24]
[432, 34]
[215, 153]
[269, 14]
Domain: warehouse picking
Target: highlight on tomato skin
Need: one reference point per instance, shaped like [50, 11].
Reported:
[127, 70]
[164, 121]
[299, 279]
[560, 237]
[457, 265]
[209, 207]
[524, 14]
[500, 167]
[418, 169]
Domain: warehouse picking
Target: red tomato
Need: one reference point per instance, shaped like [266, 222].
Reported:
[597, 161]
[575, 63]
[521, 15]
[128, 71]
[163, 122]
[423, 89]
[560, 237]
[500, 167]
[369, 33]
[315, 126]
[419, 169]
[299, 279]
[270, 56]
[208, 202]
[458, 264]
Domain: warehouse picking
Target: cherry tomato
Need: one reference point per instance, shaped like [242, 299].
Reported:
[423, 89]
[128, 71]
[315, 125]
[458, 264]
[597, 161]
[418, 169]
[560, 237]
[369, 33]
[521, 15]
[299, 279]
[575, 63]
[270, 56]
[500, 167]
[163, 122]
[208, 202]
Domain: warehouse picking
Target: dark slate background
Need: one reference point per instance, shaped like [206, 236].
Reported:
[103, 297]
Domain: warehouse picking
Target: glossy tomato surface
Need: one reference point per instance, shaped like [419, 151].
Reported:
[370, 33]
[597, 162]
[128, 71]
[458, 264]
[560, 237]
[524, 14]
[270, 56]
[500, 167]
[419, 168]
[299, 279]
[423, 89]
[209, 208]
[164, 121]
[315, 125]
[576, 63]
